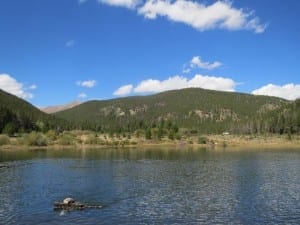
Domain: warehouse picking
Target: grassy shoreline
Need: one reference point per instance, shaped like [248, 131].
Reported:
[88, 140]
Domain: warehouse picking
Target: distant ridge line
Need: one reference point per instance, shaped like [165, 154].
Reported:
[58, 108]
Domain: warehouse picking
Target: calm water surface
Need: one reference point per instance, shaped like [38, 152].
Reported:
[151, 186]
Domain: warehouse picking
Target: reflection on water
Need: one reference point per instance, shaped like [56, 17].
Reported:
[151, 186]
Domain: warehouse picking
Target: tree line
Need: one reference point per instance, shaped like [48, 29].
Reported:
[284, 120]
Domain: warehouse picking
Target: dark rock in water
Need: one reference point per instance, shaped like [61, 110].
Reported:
[70, 204]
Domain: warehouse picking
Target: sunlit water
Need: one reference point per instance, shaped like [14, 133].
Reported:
[151, 186]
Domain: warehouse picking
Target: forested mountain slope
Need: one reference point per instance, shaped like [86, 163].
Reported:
[17, 115]
[197, 109]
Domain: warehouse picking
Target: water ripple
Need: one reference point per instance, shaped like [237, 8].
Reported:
[192, 187]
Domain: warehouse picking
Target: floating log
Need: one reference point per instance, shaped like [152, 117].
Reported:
[70, 204]
[64, 206]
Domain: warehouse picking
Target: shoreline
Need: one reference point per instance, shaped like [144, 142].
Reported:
[213, 142]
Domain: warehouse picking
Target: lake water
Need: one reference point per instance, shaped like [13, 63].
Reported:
[151, 186]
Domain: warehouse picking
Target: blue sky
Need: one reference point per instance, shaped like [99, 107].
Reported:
[57, 51]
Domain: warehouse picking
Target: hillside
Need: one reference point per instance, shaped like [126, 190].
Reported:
[17, 115]
[196, 109]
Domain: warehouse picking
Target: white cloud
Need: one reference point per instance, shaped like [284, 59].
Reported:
[82, 95]
[122, 3]
[87, 83]
[12, 86]
[196, 62]
[287, 91]
[70, 43]
[212, 83]
[124, 90]
[153, 86]
[179, 82]
[220, 14]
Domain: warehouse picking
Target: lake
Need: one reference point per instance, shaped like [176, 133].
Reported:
[151, 186]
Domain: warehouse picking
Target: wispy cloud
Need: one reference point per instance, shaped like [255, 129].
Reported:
[87, 83]
[12, 86]
[82, 95]
[131, 4]
[197, 62]
[180, 82]
[82, 1]
[32, 87]
[70, 43]
[124, 90]
[287, 91]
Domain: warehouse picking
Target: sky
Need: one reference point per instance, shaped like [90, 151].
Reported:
[54, 52]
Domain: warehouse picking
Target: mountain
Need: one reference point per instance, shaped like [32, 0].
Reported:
[192, 110]
[196, 109]
[17, 115]
[54, 109]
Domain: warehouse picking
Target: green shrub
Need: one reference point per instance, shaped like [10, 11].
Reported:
[102, 142]
[4, 140]
[177, 136]
[66, 139]
[111, 134]
[193, 131]
[171, 135]
[51, 135]
[92, 140]
[202, 140]
[139, 133]
[35, 139]
[125, 142]
[289, 136]
[148, 134]
[10, 129]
